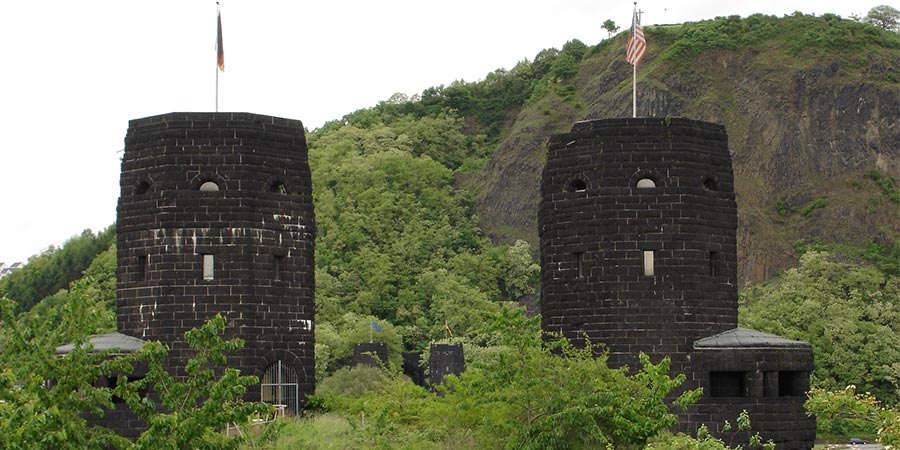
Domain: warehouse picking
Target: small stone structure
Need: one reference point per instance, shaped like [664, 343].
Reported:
[120, 417]
[215, 216]
[374, 354]
[412, 368]
[443, 360]
[637, 226]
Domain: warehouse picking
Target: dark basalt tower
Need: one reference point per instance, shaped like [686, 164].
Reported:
[216, 217]
[637, 226]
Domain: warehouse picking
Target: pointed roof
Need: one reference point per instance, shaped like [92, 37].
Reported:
[109, 341]
[747, 338]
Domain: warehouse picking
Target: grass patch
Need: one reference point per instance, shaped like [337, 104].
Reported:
[889, 186]
[813, 207]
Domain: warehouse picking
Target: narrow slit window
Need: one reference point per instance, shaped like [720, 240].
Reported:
[648, 263]
[579, 264]
[278, 267]
[714, 269]
[142, 262]
[208, 267]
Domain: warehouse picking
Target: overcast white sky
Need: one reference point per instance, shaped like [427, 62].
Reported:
[74, 72]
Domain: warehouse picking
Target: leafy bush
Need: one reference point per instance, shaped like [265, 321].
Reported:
[809, 209]
[531, 394]
[336, 340]
[888, 185]
[798, 33]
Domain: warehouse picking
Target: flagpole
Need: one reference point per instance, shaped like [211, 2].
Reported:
[634, 19]
[634, 93]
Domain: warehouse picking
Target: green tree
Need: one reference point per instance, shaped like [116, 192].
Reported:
[845, 409]
[554, 395]
[610, 27]
[336, 340]
[522, 272]
[849, 313]
[190, 413]
[97, 287]
[54, 269]
[884, 16]
[395, 240]
[42, 396]
[38, 413]
[529, 394]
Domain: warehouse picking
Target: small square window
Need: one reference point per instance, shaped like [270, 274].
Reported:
[792, 383]
[728, 384]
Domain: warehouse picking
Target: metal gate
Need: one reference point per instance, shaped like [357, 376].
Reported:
[280, 387]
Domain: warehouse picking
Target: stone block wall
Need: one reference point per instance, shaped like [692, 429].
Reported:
[216, 217]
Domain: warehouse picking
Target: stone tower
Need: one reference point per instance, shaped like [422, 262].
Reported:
[216, 217]
[637, 226]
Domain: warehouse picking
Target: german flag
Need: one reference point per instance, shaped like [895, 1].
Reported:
[220, 52]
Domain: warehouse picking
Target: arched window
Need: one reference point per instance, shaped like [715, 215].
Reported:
[645, 183]
[576, 185]
[710, 184]
[277, 188]
[209, 186]
[142, 187]
[280, 387]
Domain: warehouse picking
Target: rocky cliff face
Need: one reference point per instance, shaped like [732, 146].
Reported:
[805, 127]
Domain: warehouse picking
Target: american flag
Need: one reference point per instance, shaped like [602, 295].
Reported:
[636, 45]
